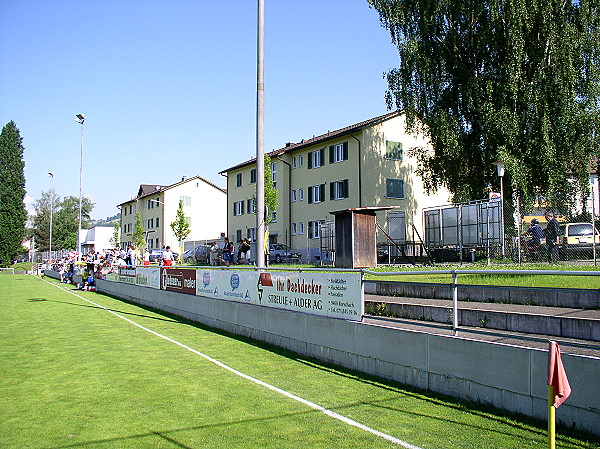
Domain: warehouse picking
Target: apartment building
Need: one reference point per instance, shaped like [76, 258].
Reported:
[204, 206]
[362, 165]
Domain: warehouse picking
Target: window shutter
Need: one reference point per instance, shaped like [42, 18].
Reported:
[310, 160]
[345, 151]
[241, 208]
[234, 209]
[331, 154]
[310, 230]
[322, 151]
[345, 193]
[332, 190]
[322, 192]
[310, 195]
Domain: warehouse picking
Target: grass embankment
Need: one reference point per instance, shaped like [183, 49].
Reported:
[75, 375]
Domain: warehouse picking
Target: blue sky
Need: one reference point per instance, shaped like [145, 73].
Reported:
[169, 87]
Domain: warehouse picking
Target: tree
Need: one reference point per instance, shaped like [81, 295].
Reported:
[12, 193]
[115, 239]
[138, 238]
[65, 221]
[271, 193]
[515, 81]
[181, 228]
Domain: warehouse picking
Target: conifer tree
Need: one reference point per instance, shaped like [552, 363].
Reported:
[13, 214]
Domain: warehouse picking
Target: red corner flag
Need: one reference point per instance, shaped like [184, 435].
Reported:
[557, 377]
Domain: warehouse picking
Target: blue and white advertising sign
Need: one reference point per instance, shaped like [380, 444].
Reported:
[337, 295]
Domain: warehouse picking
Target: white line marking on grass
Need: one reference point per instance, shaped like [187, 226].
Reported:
[310, 404]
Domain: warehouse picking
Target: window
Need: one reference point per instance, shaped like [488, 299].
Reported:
[294, 229]
[316, 158]
[301, 161]
[253, 176]
[274, 174]
[238, 208]
[188, 220]
[314, 229]
[238, 235]
[274, 216]
[301, 227]
[150, 204]
[156, 221]
[157, 243]
[316, 194]
[300, 194]
[294, 162]
[393, 150]
[251, 234]
[394, 188]
[238, 180]
[338, 153]
[150, 223]
[338, 190]
[251, 206]
[294, 197]
[186, 200]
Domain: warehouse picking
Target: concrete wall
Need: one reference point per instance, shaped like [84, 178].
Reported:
[508, 377]
[561, 297]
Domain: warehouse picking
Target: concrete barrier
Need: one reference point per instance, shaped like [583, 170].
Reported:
[554, 297]
[508, 377]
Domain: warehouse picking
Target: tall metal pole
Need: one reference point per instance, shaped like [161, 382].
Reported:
[80, 119]
[260, 139]
[51, 210]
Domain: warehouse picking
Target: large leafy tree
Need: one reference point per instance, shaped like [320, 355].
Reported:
[65, 220]
[488, 80]
[12, 193]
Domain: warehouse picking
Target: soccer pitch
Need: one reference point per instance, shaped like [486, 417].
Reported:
[83, 370]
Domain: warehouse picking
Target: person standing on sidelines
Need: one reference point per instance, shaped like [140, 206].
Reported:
[146, 257]
[551, 233]
[167, 257]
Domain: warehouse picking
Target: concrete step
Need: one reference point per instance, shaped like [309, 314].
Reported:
[563, 322]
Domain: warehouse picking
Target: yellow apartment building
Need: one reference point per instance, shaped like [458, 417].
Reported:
[204, 206]
[361, 165]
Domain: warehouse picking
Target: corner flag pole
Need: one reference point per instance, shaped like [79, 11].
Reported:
[558, 389]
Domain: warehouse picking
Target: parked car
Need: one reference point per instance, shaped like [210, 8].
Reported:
[156, 255]
[577, 240]
[279, 252]
[199, 254]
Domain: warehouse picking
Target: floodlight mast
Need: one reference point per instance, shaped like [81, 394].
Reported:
[51, 210]
[80, 119]
[260, 139]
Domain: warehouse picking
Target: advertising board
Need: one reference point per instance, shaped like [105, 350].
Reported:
[181, 280]
[148, 277]
[337, 295]
[127, 275]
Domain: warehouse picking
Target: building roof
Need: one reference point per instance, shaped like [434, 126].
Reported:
[152, 189]
[289, 147]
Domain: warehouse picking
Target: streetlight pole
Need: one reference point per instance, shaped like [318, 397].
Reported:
[260, 138]
[500, 167]
[80, 119]
[51, 210]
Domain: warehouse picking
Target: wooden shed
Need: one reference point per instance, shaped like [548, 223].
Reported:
[356, 237]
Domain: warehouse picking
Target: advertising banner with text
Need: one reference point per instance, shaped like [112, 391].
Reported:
[337, 295]
[181, 280]
[127, 275]
[148, 277]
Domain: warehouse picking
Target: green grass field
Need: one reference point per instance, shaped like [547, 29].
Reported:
[75, 375]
